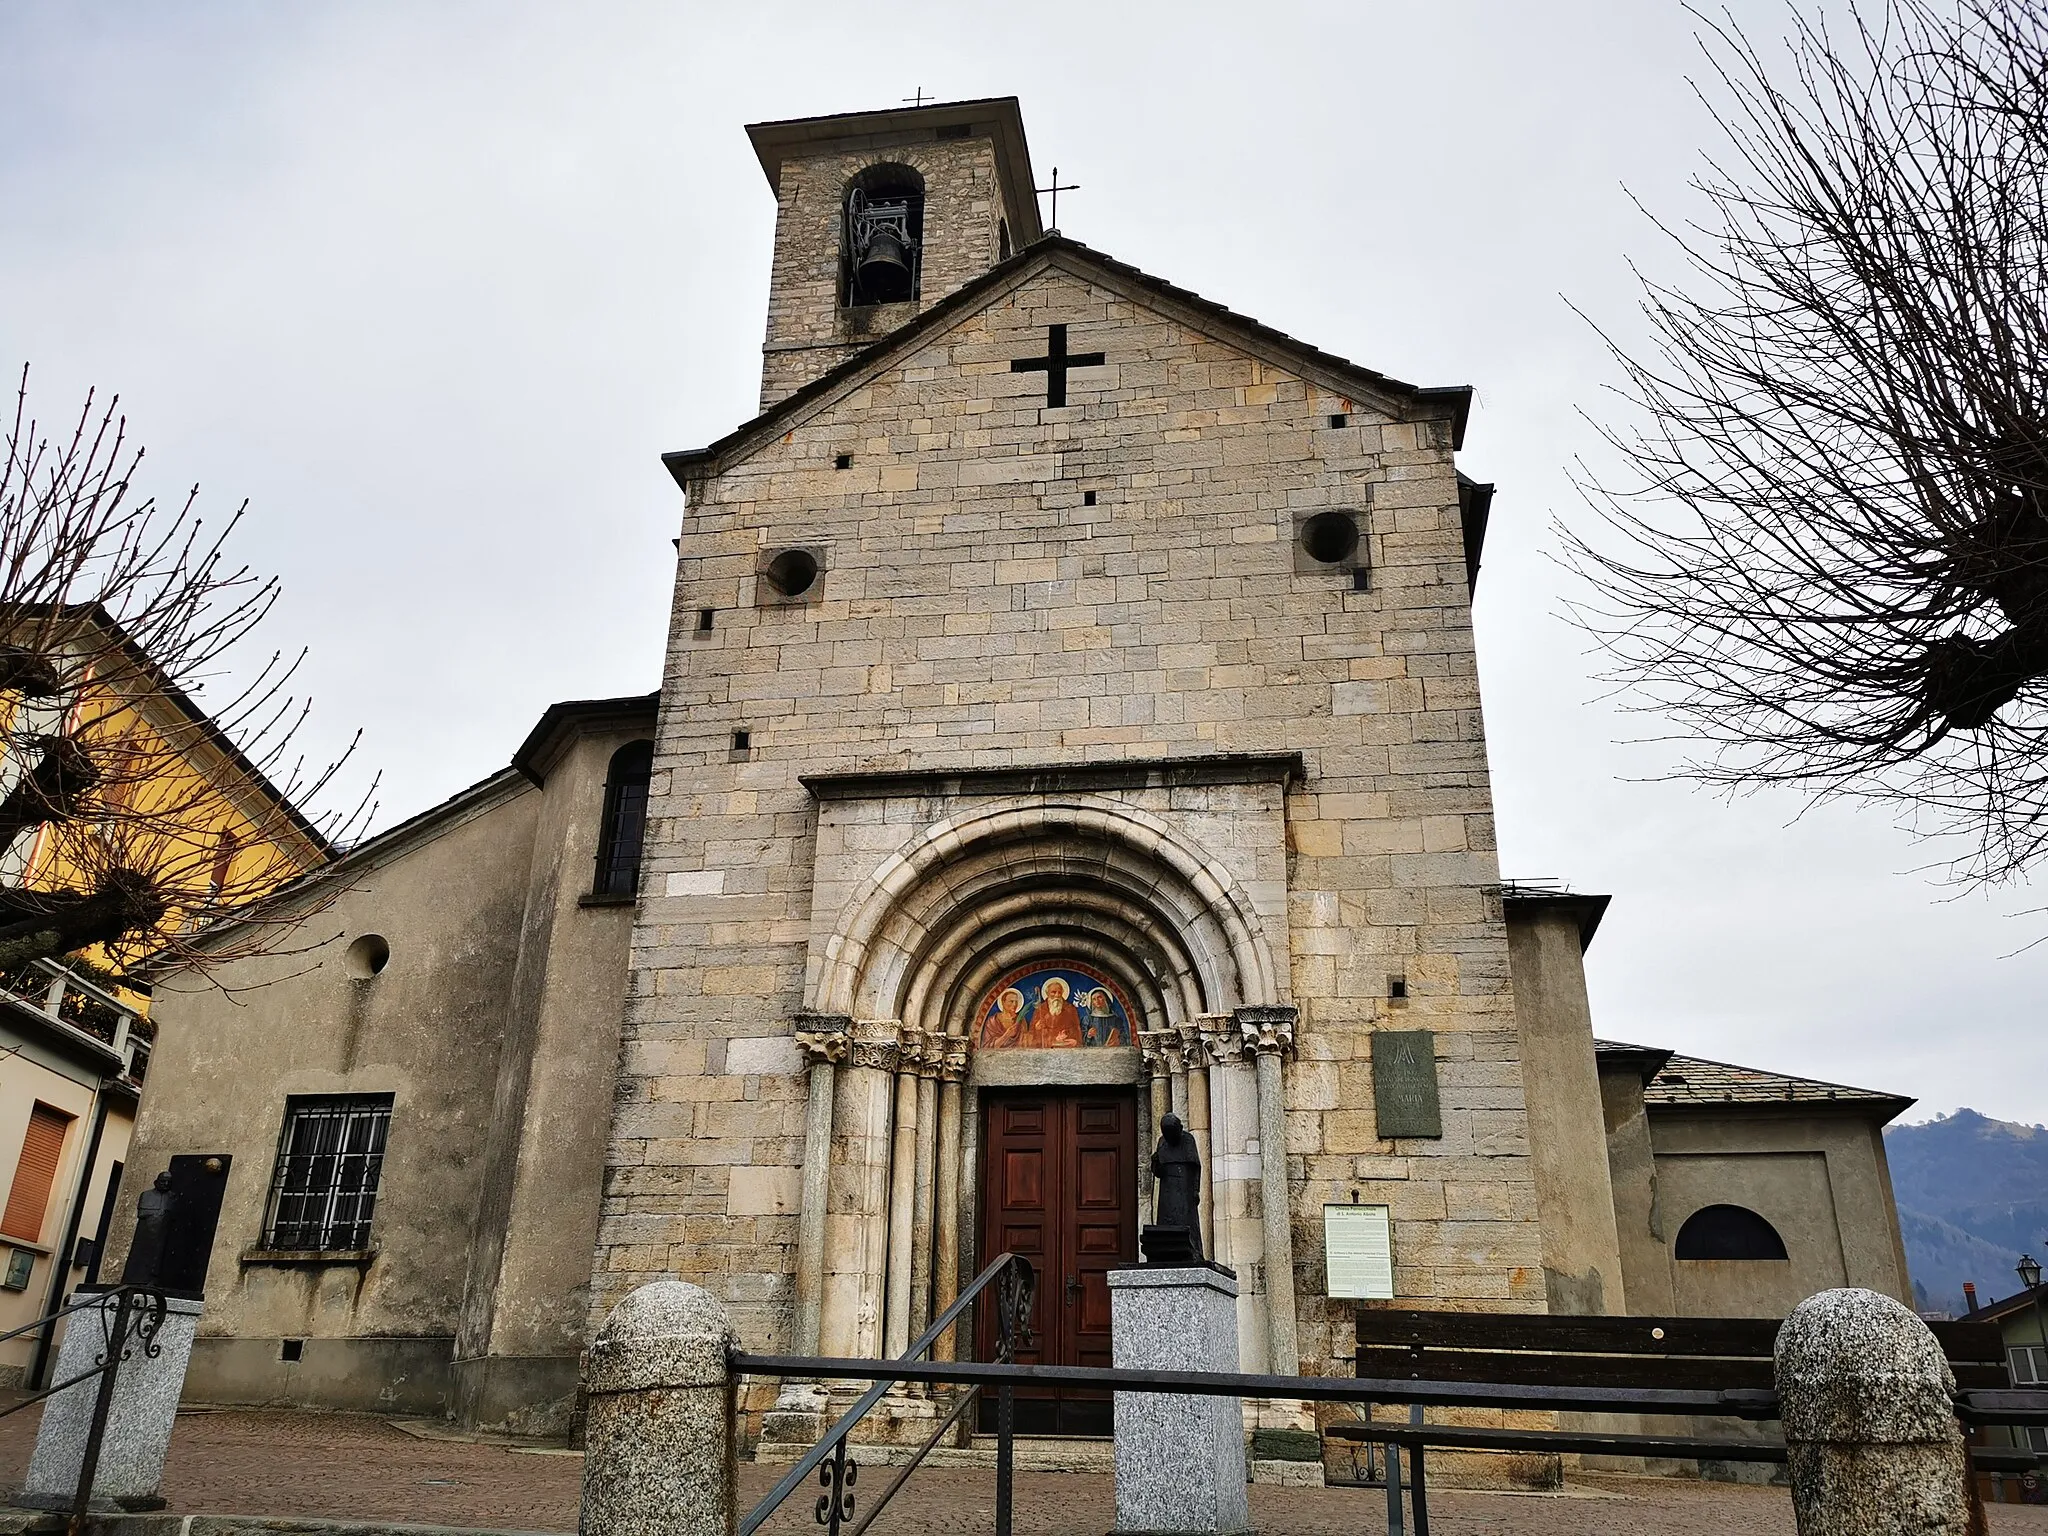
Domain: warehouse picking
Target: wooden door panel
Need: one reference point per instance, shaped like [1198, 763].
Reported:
[1061, 1187]
[1098, 1186]
[1024, 1180]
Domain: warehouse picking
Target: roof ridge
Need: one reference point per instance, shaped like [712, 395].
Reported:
[965, 297]
[1770, 1072]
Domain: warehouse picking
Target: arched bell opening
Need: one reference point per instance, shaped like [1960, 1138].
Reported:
[882, 244]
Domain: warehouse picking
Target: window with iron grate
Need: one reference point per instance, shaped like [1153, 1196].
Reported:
[329, 1160]
[624, 829]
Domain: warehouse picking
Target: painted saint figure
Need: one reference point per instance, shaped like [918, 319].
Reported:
[1101, 1028]
[1055, 1021]
[1005, 1022]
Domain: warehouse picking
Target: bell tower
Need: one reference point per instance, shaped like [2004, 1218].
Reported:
[880, 215]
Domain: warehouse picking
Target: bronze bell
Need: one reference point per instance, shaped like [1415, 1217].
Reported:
[884, 272]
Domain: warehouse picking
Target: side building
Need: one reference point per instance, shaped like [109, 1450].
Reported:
[416, 1095]
[75, 1032]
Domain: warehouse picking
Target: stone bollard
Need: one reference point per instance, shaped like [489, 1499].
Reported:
[1867, 1400]
[659, 1451]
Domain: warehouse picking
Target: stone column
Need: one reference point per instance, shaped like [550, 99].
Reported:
[871, 1062]
[659, 1447]
[1269, 1034]
[1221, 1051]
[1194, 1057]
[931, 1056]
[902, 1197]
[1867, 1400]
[798, 1415]
[1149, 1071]
[946, 1236]
[823, 1040]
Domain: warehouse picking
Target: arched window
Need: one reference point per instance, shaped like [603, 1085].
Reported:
[625, 820]
[882, 255]
[1728, 1232]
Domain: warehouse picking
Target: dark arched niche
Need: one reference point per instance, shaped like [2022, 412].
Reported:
[1728, 1232]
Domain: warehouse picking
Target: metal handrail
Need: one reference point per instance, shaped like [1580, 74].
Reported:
[43, 1322]
[1984, 1406]
[1012, 1319]
[1733, 1402]
[138, 1317]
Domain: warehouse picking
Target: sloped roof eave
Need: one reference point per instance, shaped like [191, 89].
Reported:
[683, 463]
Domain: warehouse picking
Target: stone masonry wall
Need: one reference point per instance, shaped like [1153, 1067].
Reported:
[974, 611]
[808, 333]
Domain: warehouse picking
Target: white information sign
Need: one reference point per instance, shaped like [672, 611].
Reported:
[1358, 1252]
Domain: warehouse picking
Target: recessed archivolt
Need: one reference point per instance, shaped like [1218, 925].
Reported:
[1050, 927]
[913, 904]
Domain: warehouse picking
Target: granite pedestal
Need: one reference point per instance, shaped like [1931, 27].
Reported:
[130, 1473]
[1179, 1460]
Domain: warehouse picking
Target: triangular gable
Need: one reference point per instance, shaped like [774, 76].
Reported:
[1338, 375]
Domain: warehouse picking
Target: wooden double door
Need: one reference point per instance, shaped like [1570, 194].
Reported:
[1060, 1186]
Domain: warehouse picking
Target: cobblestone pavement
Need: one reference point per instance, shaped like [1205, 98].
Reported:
[348, 1466]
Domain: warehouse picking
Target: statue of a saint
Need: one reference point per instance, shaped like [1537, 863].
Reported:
[1175, 1234]
[152, 1227]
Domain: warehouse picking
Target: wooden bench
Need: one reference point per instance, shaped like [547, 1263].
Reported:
[1731, 1356]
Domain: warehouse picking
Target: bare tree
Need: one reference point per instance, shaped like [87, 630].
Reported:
[149, 785]
[1828, 556]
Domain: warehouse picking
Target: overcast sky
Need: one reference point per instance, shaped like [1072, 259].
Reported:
[434, 285]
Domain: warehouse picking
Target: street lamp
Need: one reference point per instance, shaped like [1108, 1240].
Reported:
[2029, 1270]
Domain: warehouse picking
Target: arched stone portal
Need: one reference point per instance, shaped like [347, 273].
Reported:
[925, 905]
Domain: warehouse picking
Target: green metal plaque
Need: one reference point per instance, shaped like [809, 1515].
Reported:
[1404, 1084]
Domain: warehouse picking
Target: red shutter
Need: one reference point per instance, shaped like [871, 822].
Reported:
[29, 1200]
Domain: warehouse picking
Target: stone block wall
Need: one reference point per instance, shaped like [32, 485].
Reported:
[975, 611]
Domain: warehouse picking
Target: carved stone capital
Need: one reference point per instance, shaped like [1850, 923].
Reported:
[1221, 1043]
[876, 1043]
[928, 1057]
[822, 1047]
[1160, 1051]
[1266, 1030]
[954, 1068]
[822, 1037]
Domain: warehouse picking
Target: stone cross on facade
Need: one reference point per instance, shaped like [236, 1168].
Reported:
[1055, 363]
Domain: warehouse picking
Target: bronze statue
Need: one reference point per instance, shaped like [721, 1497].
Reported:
[1175, 1234]
[152, 1226]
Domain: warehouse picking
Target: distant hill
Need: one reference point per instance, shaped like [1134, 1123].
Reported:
[1973, 1195]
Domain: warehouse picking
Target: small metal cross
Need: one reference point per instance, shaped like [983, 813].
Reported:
[1053, 222]
[919, 100]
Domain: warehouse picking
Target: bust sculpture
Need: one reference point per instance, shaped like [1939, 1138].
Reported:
[1175, 1234]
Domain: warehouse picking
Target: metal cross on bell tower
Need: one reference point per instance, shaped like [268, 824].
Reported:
[1052, 222]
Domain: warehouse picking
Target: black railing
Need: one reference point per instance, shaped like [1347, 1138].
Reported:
[1972, 1407]
[137, 1318]
[1015, 1283]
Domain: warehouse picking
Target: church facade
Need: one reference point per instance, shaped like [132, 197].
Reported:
[1070, 716]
